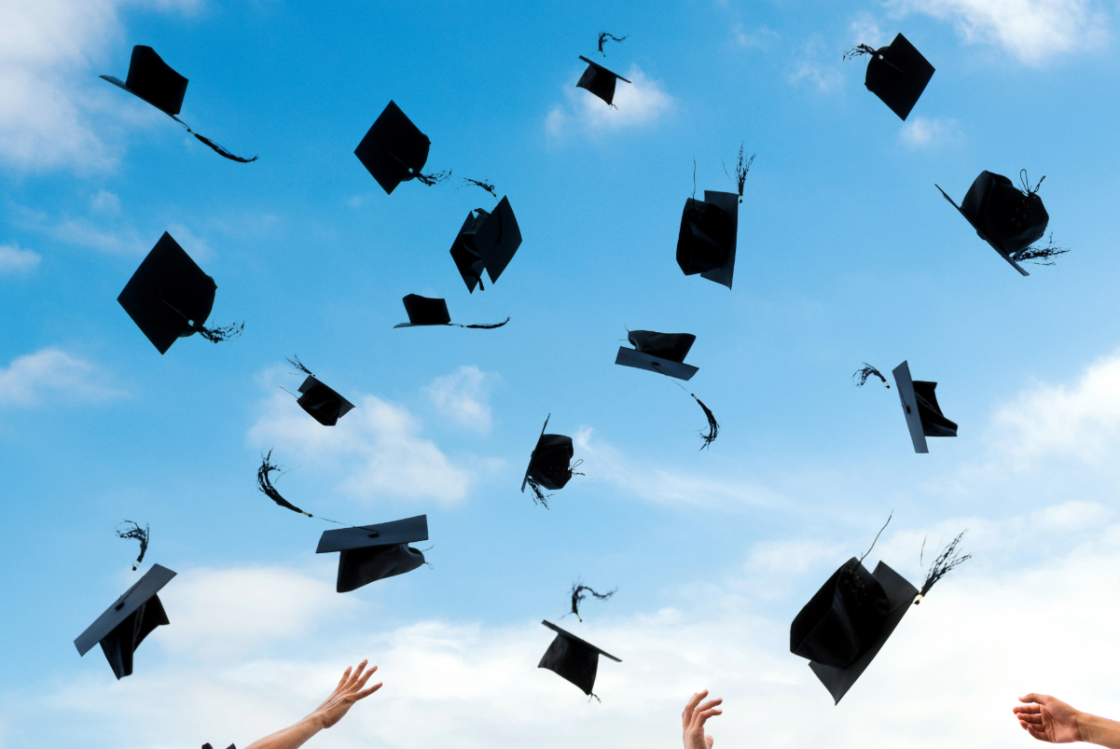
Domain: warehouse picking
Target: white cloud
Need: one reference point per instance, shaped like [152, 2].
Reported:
[762, 37]
[865, 30]
[51, 374]
[194, 245]
[105, 202]
[921, 132]
[639, 103]
[13, 260]
[464, 397]
[1034, 31]
[114, 236]
[807, 69]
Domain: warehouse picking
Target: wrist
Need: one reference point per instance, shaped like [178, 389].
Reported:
[314, 723]
[1089, 728]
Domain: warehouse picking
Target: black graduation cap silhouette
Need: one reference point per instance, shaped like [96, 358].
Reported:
[169, 297]
[709, 231]
[550, 465]
[374, 552]
[599, 81]
[573, 658]
[394, 151]
[424, 310]
[1007, 218]
[126, 623]
[208, 746]
[323, 403]
[659, 352]
[897, 74]
[919, 404]
[486, 241]
[153, 80]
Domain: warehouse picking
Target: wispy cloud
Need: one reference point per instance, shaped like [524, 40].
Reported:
[809, 70]
[14, 260]
[761, 37]
[464, 397]
[924, 133]
[51, 375]
[640, 103]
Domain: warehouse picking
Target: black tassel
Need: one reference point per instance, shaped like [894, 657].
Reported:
[604, 37]
[860, 49]
[434, 178]
[264, 483]
[861, 375]
[140, 534]
[539, 497]
[1026, 183]
[742, 168]
[876, 539]
[484, 185]
[486, 327]
[948, 560]
[217, 335]
[216, 148]
[295, 362]
[1040, 255]
[713, 425]
[578, 596]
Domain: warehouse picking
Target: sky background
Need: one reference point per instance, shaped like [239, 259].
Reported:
[847, 253]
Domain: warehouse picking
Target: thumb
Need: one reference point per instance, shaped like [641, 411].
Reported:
[709, 741]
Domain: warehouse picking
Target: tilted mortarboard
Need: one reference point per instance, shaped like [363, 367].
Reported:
[394, 151]
[599, 81]
[374, 552]
[153, 80]
[424, 310]
[708, 235]
[1007, 218]
[658, 352]
[207, 746]
[486, 241]
[321, 402]
[126, 623]
[169, 297]
[919, 404]
[573, 658]
[550, 465]
[897, 74]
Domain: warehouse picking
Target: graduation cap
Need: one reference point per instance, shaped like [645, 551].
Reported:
[169, 297]
[323, 403]
[153, 80]
[550, 465]
[658, 352]
[394, 151]
[207, 746]
[709, 229]
[424, 310]
[126, 623]
[374, 552]
[599, 81]
[923, 414]
[486, 241]
[1007, 218]
[573, 658]
[897, 74]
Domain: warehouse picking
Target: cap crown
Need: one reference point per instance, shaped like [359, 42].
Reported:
[599, 81]
[393, 150]
[324, 404]
[672, 347]
[842, 619]
[153, 80]
[550, 464]
[934, 423]
[486, 241]
[424, 310]
[1003, 214]
[708, 236]
[374, 552]
[167, 293]
[573, 658]
[898, 74]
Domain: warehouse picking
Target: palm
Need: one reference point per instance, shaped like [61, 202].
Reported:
[1048, 719]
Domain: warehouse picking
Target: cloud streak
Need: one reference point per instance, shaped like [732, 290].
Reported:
[51, 375]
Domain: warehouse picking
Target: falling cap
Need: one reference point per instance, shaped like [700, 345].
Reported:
[550, 462]
[923, 413]
[168, 297]
[709, 229]
[486, 241]
[424, 310]
[842, 628]
[575, 659]
[153, 80]
[659, 352]
[374, 552]
[126, 623]
[898, 75]
[394, 150]
[324, 404]
[599, 81]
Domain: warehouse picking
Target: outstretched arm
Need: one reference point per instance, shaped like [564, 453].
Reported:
[694, 717]
[1049, 719]
[350, 689]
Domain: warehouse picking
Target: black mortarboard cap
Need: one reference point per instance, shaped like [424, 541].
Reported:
[1004, 216]
[374, 552]
[708, 235]
[919, 404]
[573, 658]
[153, 80]
[845, 624]
[324, 404]
[424, 310]
[550, 463]
[659, 352]
[168, 296]
[208, 746]
[394, 150]
[898, 75]
[126, 623]
[486, 241]
[599, 81]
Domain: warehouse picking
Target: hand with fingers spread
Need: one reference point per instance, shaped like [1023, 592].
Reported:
[694, 717]
[1049, 719]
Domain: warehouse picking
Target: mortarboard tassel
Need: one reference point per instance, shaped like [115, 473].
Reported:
[1040, 255]
[742, 168]
[264, 484]
[140, 534]
[713, 425]
[295, 362]
[216, 148]
[948, 560]
[578, 597]
[604, 37]
[433, 179]
[484, 185]
[214, 335]
[861, 375]
[864, 49]
[486, 327]
[539, 497]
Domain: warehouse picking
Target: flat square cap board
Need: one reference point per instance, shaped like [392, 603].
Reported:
[322, 403]
[1002, 215]
[599, 81]
[394, 150]
[905, 386]
[424, 310]
[126, 623]
[153, 80]
[900, 596]
[923, 413]
[374, 552]
[573, 658]
[167, 293]
[898, 75]
[708, 237]
[659, 352]
[486, 241]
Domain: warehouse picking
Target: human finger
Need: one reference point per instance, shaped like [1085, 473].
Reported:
[1035, 720]
[367, 692]
[686, 716]
[362, 682]
[700, 718]
[1041, 699]
[1041, 736]
[710, 704]
[1026, 709]
[345, 676]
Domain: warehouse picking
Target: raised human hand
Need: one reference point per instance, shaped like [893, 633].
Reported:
[1049, 719]
[350, 689]
[693, 719]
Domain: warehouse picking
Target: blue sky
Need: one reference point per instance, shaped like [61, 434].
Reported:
[847, 253]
